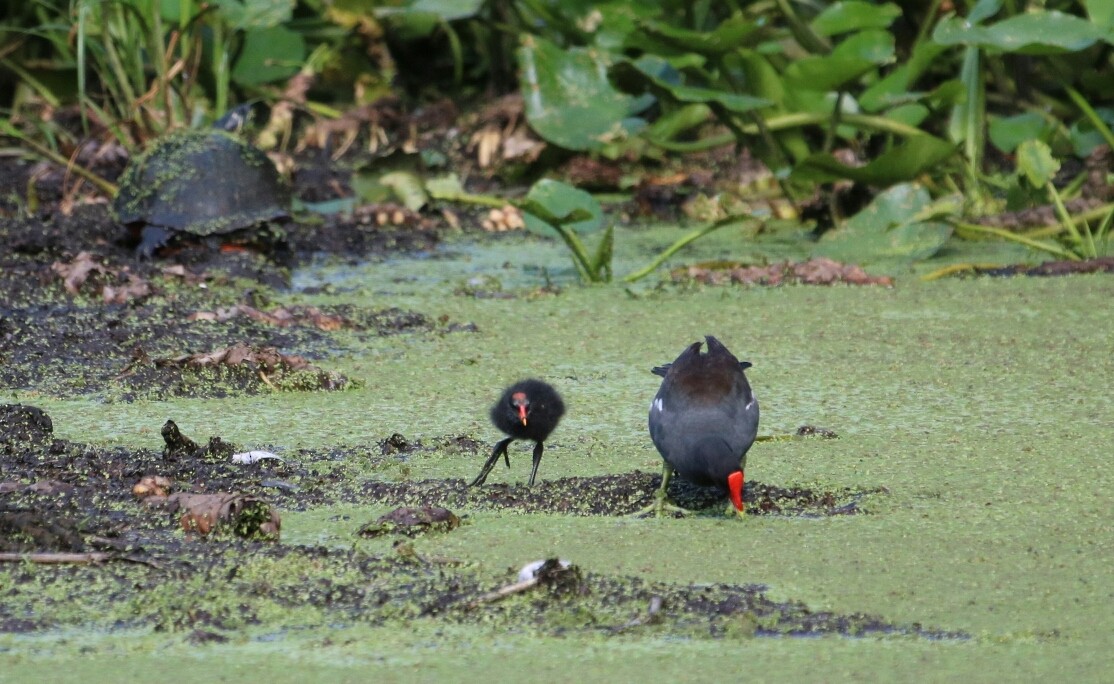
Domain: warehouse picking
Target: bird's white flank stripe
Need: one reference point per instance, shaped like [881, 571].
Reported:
[658, 405]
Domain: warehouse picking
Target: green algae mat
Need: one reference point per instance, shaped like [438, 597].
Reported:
[956, 528]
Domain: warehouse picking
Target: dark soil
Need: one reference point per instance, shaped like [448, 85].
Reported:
[104, 335]
[62, 496]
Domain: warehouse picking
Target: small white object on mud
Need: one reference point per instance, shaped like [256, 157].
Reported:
[249, 457]
[530, 570]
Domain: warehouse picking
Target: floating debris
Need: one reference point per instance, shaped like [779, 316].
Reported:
[250, 457]
[412, 521]
[242, 515]
[817, 271]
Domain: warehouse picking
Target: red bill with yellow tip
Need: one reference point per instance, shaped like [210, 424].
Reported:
[735, 489]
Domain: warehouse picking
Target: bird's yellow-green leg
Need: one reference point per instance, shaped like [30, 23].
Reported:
[733, 512]
[661, 504]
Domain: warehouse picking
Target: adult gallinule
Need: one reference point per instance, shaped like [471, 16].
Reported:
[528, 409]
[703, 420]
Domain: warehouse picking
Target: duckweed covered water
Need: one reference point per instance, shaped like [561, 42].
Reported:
[982, 407]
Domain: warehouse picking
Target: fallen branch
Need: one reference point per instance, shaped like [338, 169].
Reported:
[559, 575]
[48, 558]
[503, 592]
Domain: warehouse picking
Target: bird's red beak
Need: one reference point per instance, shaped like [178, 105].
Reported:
[520, 402]
[735, 489]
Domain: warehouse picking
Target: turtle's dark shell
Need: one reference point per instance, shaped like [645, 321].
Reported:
[201, 182]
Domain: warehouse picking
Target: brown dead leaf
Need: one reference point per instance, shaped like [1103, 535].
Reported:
[485, 142]
[84, 268]
[76, 272]
[584, 171]
[522, 146]
[282, 317]
[151, 485]
[817, 271]
[244, 516]
[265, 361]
[49, 487]
[268, 358]
[134, 288]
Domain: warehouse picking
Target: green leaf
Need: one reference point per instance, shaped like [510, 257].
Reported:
[872, 46]
[845, 17]
[369, 188]
[731, 101]
[663, 81]
[550, 203]
[912, 114]
[984, 9]
[1100, 11]
[902, 163]
[825, 73]
[255, 14]
[1036, 163]
[568, 99]
[850, 59]
[1033, 33]
[730, 35]
[610, 24]
[895, 86]
[420, 18]
[445, 187]
[407, 188]
[887, 230]
[1007, 132]
[269, 55]
[445, 10]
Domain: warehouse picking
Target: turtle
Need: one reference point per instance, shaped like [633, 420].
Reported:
[199, 183]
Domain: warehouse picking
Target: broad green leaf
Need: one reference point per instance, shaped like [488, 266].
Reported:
[446, 10]
[912, 114]
[825, 73]
[420, 18]
[762, 78]
[1036, 163]
[551, 202]
[369, 188]
[902, 163]
[733, 102]
[1007, 132]
[730, 35]
[1100, 11]
[873, 46]
[269, 55]
[445, 187]
[672, 124]
[609, 25]
[854, 15]
[849, 60]
[660, 78]
[1034, 33]
[887, 230]
[407, 188]
[1085, 137]
[984, 9]
[895, 86]
[248, 14]
[568, 99]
